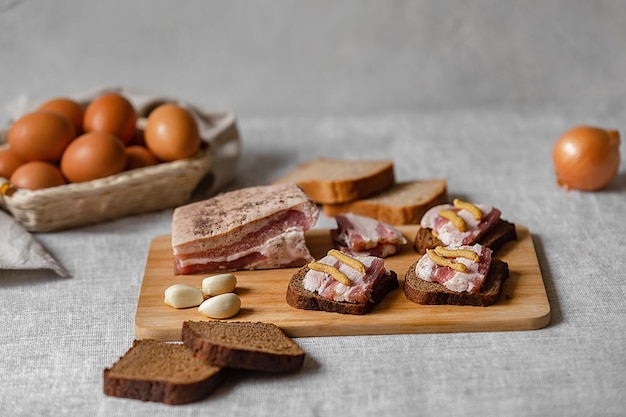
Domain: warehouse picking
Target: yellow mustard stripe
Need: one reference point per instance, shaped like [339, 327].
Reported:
[471, 208]
[457, 253]
[332, 271]
[457, 221]
[348, 260]
[441, 261]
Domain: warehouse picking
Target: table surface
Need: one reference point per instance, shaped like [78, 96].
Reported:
[60, 333]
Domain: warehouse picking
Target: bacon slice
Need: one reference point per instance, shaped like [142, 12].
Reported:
[470, 281]
[361, 284]
[361, 235]
[252, 228]
[448, 234]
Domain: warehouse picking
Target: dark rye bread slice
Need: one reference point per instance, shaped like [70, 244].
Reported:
[502, 233]
[157, 371]
[299, 297]
[254, 346]
[430, 293]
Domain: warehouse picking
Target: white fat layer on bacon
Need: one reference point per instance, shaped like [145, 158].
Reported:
[245, 230]
[369, 232]
[470, 281]
[229, 217]
[447, 232]
[361, 284]
[277, 251]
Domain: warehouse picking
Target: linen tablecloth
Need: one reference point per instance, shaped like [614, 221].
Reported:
[60, 333]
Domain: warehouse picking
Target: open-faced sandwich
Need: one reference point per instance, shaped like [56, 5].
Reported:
[361, 235]
[463, 223]
[341, 283]
[460, 275]
[457, 242]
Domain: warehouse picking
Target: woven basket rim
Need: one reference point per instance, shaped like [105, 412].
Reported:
[166, 184]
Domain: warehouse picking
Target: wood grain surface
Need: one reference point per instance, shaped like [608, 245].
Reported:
[523, 304]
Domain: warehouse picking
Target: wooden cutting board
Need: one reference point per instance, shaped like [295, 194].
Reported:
[523, 304]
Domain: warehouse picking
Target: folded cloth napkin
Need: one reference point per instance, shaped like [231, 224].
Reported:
[19, 249]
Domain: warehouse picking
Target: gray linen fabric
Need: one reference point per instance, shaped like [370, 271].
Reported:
[473, 91]
[19, 249]
[61, 333]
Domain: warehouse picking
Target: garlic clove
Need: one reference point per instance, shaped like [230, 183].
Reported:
[221, 306]
[183, 296]
[219, 284]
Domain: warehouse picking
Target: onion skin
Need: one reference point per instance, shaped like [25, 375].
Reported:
[586, 158]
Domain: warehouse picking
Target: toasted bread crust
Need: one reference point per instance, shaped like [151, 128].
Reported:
[298, 297]
[502, 233]
[423, 292]
[253, 346]
[403, 203]
[332, 181]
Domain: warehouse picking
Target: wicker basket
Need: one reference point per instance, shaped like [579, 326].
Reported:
[131, 192]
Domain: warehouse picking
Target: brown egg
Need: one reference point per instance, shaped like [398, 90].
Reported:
[35, 175]
[111, 113]
[93, 155]
[41, 136]
[139, 157]
[68, 108]
[9, 162]
[137, 139]
[172, 133]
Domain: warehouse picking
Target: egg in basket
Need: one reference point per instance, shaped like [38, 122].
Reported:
[71, 161]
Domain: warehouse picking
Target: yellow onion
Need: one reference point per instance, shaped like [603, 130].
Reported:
[586, 158]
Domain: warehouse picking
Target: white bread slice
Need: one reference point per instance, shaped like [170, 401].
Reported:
[404, 203]
[331, 181]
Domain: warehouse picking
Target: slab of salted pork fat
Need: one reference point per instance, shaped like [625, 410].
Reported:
[251, 228]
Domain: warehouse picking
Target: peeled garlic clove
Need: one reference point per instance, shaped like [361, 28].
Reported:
[219, 284]
[183, 296]
[221, 306]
